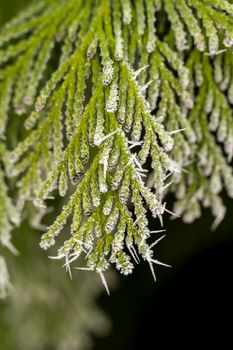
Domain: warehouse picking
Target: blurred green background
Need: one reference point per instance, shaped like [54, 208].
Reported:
[189, 306]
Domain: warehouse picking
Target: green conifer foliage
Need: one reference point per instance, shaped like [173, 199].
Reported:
[123, 101]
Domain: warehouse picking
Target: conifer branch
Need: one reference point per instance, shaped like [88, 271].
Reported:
[103, 90]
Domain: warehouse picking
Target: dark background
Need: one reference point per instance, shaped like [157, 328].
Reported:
[191, 305]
